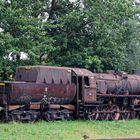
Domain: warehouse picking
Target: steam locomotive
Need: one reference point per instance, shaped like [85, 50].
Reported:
[52, 93]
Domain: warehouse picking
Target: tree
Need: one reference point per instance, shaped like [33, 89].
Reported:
[93, 34]
[97, 34]
[133, 41]
[22, 30]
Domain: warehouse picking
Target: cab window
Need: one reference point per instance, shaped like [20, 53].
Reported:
[86, 80]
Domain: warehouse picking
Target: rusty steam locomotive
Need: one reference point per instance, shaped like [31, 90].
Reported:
[53, 93]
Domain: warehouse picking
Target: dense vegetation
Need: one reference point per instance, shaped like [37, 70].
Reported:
[70, 130]
[99, 34]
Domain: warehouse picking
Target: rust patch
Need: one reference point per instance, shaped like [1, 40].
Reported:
[13, 107]
[54, 106]
[35, 105]
[121, 139]
[70, 107]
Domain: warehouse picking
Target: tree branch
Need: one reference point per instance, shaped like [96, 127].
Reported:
[53, 7]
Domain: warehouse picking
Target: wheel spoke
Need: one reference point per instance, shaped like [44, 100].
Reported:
[94, 115]
[114, 115]
[125, 113]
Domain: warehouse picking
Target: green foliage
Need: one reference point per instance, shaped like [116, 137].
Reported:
[133, 45]
[94, 35]
[22, 31]
[98, 35]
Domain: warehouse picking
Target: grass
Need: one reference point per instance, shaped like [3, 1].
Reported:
[69, 130]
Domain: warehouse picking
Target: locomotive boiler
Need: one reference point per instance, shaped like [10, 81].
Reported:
[51, 93]
[120, 83]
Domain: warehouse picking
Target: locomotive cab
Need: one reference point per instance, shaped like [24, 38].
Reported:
[86, 86]
[89, 89]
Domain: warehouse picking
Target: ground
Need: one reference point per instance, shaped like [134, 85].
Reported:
[69, 130]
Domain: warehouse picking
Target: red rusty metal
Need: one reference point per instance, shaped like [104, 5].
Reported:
[117, 96]
[48, 74]
[89, 92]
[13, 107]
[54, 106]
[55, 77]
[35, 105]
[118, 139]
[2, 85]
[114, 83]
[22, 92]
[59, 89]
[69, 106]
[88, 138]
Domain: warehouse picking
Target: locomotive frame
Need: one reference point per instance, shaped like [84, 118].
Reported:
[52, 93]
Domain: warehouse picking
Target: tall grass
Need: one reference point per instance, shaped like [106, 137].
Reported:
[69, 130]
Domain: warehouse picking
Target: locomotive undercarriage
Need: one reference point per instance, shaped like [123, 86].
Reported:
[107, 108]
[106, 112]
[33, 115]
[53, 114]
[24, 114]
[113, 109]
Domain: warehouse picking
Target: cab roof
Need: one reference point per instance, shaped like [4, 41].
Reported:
[77, 71]
[49, 74]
